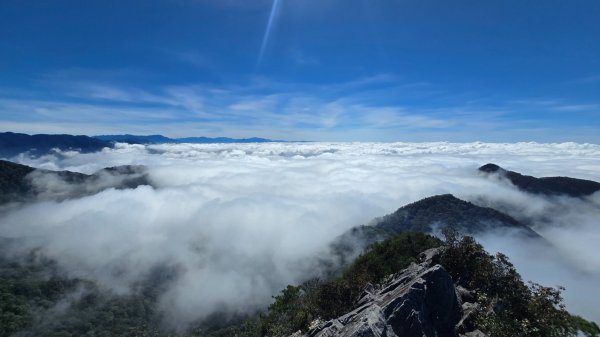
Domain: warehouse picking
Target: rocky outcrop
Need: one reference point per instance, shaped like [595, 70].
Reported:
[419, 301]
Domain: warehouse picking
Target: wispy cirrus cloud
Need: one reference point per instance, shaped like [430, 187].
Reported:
[558, 105]
[233, 107]
[578, 107]
[379, 107]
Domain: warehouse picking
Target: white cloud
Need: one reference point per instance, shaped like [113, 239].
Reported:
[240, 220]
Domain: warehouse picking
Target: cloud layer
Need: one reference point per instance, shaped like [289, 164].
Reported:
[238, 222]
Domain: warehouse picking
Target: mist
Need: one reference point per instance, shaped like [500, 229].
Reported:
[238, 222]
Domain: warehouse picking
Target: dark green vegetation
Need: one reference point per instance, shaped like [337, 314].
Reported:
[447, 209]
[17, 181]
[296, 307]
[13, 185]
[37, 301]
[12, 144]
[510, 307]
[547, 185]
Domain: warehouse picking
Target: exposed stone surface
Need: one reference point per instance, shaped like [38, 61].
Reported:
[467, 322]
[475, 333]
[419, 301]
[465, 294]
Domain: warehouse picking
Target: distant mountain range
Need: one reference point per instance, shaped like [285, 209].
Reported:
[159, 139]
[13, 144]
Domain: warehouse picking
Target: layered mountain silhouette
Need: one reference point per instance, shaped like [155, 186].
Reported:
[160, 139]
[572, 187]
[20, 183]
[432, 214]
[12, 144]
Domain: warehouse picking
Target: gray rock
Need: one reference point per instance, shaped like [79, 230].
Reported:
[466, 295]
[419, 301]
[476, 333]
[467, 322]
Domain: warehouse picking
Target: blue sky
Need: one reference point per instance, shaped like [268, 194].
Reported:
[332, 70]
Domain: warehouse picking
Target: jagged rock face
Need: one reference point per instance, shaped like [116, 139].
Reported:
[419, 301]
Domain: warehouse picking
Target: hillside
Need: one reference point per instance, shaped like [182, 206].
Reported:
[13, 183]
[427, 215]
[19, 183]
[434, 213]
[572, 187]
[415, 285]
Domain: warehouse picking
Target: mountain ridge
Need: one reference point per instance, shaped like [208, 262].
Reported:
[160, 139]
[572, 187]
[22, 183]
[446, 209]
[428, 215]
[12, 144]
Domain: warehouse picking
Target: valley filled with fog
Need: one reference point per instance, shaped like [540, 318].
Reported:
[239, 222]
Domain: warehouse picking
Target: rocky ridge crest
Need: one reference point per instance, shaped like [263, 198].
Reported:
[420, 300]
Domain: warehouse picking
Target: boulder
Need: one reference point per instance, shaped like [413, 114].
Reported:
[419, 301]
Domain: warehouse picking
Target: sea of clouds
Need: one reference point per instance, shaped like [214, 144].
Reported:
[241, 221]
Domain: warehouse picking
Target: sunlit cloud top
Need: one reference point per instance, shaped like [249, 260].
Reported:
[261, 211]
